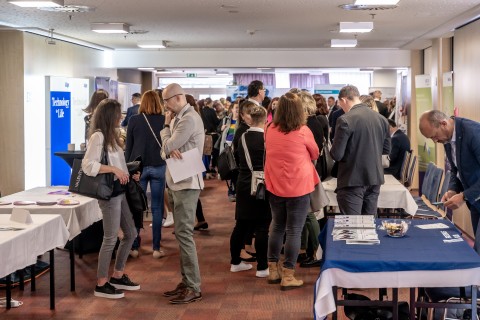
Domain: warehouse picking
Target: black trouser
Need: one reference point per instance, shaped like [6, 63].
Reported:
[199, 212]
[237, 240]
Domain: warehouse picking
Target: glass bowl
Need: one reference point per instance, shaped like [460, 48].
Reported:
[395, 228]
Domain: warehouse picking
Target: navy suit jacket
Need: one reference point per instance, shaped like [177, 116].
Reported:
[467, 144]
[400, 145]
[133, 110]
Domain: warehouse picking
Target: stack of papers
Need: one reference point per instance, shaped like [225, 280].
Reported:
[355, 229]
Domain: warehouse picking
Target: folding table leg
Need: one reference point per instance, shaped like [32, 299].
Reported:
[334, 314]
[52, 280]
[21, 279]
[474, 301]
[33, 282]
[9, 291]
[395, 303]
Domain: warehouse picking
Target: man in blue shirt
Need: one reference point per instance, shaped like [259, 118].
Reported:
[133, 110]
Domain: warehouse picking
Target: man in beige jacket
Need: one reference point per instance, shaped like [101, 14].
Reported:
[182, 133]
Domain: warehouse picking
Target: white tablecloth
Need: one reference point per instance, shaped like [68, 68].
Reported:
[393, 195]
[76, 217]
[20, 249]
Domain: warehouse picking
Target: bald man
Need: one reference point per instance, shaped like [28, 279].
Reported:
[460, 139]
[182, 133]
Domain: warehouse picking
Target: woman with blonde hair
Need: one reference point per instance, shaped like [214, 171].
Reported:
[369, 101]
[290, 177]
[143, 139]
[116, 213]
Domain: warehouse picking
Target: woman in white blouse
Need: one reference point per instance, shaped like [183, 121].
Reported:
[116, 214]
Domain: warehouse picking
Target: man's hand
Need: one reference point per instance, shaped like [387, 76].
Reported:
[448, 195]
[175, 154]
[168, 117]
[455, 201]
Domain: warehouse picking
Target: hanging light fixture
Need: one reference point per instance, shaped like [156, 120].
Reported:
[343, 43]
[119, 27]
[38, 3]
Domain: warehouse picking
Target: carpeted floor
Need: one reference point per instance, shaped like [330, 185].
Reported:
[226, 295]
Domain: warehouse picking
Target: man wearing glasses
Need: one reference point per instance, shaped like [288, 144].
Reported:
[133, 110]
[256, 92]
[183, 131]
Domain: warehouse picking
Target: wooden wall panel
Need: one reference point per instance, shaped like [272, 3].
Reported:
[12, 176]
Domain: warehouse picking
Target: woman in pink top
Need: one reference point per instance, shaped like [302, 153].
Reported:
[290, 177]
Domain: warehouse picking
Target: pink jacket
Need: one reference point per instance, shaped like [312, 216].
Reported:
[289, 171]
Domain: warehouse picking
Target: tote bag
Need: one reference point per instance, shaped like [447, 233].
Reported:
[98, 187]
[226, 164]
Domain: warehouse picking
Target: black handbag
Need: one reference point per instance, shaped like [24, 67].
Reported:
[98, 187]
[226, 163]
[325, 162]
[137, 201]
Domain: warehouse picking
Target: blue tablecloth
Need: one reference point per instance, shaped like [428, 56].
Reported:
[419, 249]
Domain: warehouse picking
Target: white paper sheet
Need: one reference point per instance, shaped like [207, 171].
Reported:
[190, 165]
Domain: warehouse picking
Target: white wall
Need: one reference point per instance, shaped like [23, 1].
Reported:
[40, 59]
[384, 78]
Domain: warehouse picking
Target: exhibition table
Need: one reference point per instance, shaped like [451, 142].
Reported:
[393, 195]
[420, 259]
[20, 248]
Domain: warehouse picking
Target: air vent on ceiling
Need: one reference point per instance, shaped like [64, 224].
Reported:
[366, 7]
[69, 9]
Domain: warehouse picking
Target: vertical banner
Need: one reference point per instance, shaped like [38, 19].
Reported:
[447, 94]
[426, 147]
[60, 126]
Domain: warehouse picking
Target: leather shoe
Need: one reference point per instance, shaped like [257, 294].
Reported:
[187, 296]
[175, 292]
[310, 263]
[201, 226]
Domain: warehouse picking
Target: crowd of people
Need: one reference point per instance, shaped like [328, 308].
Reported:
[282, 137]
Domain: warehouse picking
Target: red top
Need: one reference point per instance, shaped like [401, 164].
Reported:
[289, 171]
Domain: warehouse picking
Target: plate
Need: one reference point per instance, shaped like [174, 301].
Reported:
[68, 202]
[46, 202]
[24, 203]
[4, 203]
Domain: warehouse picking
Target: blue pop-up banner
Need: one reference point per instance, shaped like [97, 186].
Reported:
[60, 124]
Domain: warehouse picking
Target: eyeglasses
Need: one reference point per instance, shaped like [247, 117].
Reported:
[166, 99]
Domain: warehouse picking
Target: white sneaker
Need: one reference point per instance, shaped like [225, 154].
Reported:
[242, 266]
[169, 220]
[134, 253]
[157, 254]
[262, 273]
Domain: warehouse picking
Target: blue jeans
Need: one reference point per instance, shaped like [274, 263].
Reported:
[156, 177]
[288, 216]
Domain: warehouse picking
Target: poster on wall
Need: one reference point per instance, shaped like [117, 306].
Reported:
[67, 98]
[448, 102]
[402, 103]
[426, 147]
[328, 90]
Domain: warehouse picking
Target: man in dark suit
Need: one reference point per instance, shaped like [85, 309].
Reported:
[133, 110]
[361, 137]
[400, 145]
[462, 147]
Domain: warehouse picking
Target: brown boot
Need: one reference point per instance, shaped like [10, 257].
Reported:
[273, 276]
[288, 280]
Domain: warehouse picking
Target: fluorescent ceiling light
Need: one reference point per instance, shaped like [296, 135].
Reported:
[152, 44]
[110, 27]
[343, 43]
[164, 71]
[222, 73]
[376, 2]
[146, 69]
[356, 27]
[38, 4]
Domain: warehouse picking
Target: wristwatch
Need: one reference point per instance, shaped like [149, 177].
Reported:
[166, 126]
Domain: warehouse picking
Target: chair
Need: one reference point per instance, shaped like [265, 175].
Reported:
[430, 190]
[411, 172]
[404, 168]
[459, 295]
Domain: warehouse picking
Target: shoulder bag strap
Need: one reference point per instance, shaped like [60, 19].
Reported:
[159, 144]
[247, 154]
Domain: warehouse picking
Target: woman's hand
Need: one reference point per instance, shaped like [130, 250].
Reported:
[122, 176]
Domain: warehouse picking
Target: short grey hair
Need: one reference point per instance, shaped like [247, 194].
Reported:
[435, 117]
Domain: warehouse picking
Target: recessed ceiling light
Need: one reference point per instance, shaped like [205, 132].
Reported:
[376, 2]
[37, 4]
[343, 43]
[356, 27]
[152, 44]
[110, 27]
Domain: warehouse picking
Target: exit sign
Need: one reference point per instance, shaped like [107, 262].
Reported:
[191, 75]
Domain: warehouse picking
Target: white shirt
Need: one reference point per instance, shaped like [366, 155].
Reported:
[453, 144]
[91, 161]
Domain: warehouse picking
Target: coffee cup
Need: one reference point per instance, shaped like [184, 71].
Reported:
[71, 147]
[82, 146]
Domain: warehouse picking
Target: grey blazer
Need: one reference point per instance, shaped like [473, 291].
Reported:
[187, 133]
[361, 137]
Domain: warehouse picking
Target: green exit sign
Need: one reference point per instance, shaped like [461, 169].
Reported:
[191, 75]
